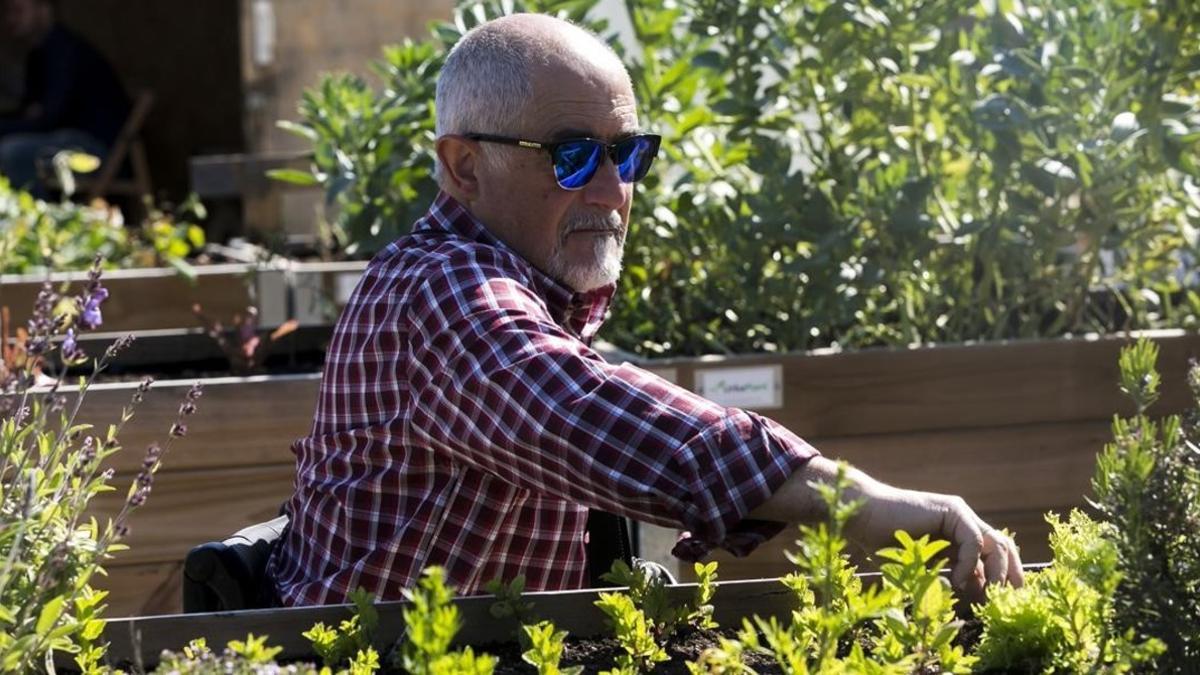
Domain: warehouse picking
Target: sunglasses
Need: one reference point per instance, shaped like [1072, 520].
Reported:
[576, 160]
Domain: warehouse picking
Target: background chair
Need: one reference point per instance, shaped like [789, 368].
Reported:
[107, 181]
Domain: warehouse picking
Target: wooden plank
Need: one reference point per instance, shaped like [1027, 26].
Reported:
[1035, 466]
[247, 421]
[170, 349]
[142, 589]
[236, 175]
[161, 297]
[188, 508]
[956, 386]
[1005, 471]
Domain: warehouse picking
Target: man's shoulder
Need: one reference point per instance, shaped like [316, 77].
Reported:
[439, 259]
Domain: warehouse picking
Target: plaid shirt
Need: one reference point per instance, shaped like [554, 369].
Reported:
[463, 421]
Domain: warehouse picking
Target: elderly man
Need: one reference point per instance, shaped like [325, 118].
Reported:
[464, 421]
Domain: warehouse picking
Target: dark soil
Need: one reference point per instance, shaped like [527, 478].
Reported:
[600, 654]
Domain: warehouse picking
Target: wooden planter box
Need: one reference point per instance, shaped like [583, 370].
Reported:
[145, 638]
[322, 289]
[234, 468]
[161, 298]
[1012, 427]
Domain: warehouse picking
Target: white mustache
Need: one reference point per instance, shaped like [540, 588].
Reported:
[594, 221]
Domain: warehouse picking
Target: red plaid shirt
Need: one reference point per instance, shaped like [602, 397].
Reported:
[463, 421]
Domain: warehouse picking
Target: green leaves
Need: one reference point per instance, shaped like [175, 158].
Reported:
[633, 632]
[545, 649]
[351, 640]
[923, 633]
[432, 622]
[1139, 379]
[1147, 487]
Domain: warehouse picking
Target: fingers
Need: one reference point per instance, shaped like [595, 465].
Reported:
[962, 528]
[984, 555]
[995, 556]
[1016, 576]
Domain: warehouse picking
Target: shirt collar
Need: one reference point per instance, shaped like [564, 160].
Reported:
[581, 313]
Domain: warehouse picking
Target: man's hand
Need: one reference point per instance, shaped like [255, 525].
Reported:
[979, 554]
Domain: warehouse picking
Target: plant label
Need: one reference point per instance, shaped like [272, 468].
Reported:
[747, 387]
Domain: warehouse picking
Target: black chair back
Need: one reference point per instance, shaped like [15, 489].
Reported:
[232, 574]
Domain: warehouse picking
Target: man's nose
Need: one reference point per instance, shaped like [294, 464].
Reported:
[606, 189]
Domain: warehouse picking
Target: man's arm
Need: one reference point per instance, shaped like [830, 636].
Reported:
[499, 386]
[980, 553]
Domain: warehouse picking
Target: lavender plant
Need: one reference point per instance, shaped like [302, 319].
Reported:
[51, 466]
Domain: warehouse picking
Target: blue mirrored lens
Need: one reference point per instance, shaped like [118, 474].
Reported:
[634, 158]
[575, 163]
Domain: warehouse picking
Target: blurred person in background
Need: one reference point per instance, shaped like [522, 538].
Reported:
[68, 96]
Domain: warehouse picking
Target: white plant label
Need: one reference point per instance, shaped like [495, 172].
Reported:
[750, 387]
[345, 283]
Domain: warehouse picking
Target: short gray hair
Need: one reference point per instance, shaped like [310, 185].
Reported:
[485, 84]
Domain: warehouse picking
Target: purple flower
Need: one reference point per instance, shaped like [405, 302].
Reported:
[71, 352]
[89, 315]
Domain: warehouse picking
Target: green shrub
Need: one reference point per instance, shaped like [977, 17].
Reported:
[41, 236]
[1063, 619]
[1147, 486]
[855, 173]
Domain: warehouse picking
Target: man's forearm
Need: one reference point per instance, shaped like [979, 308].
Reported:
[797, 502]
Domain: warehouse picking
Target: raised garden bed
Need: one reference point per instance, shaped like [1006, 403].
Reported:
[142, 639]
[233, 468]
[161, 297]
[1012, 427]
[573, 611]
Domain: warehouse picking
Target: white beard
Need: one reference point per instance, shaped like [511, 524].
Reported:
[603, 266]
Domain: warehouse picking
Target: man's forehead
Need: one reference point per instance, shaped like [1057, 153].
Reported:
[593, 117]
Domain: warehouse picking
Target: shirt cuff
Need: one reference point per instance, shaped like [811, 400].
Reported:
[774, 454]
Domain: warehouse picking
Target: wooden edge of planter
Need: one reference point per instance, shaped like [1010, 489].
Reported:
[144, 273]
[141, 640]
[946, 347]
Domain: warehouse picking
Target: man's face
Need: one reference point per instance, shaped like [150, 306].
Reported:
[578, 236]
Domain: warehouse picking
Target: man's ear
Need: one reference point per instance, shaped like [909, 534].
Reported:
[459, 157]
